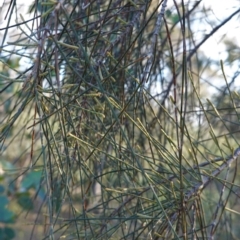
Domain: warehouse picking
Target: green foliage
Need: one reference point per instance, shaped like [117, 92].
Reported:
[6, 216]
[107, 129]
[7, 233]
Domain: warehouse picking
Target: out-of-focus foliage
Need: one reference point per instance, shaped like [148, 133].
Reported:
[7, 216]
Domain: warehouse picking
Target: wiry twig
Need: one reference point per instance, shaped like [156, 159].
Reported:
[151, 53]
[42, 38]
[211, 34]
[189, 194]
[128, 30]
[208, 179]
[220, 203]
